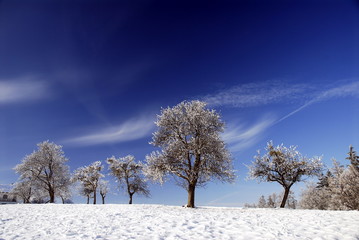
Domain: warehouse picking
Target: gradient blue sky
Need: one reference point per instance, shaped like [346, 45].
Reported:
[92, 75]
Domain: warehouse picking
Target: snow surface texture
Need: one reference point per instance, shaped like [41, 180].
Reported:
[52, 221]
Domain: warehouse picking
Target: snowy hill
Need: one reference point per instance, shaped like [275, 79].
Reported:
[55, 221]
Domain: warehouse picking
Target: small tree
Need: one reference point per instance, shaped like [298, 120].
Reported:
[104, 189]
[65, 194]
[285, 166]
[23, 190]
[128, 174]
[353, 158]
[272, 201]
[262, 203]
[192, 150]
[89, 177]
[45, 168]
[86, 191]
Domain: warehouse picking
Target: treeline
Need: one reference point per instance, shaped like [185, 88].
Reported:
[45, 176]
[274, 200]
[337, 189]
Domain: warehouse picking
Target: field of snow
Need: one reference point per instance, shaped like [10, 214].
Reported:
[55, 221]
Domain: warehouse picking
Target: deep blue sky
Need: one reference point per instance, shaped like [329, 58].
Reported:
[92, 75]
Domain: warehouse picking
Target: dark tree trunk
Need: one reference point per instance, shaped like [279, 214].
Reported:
[94, 197]
[191, 191]
[63, 200]
[285, 197]
[52, 196]
[103, 199]
[88, 199]
[130, 194]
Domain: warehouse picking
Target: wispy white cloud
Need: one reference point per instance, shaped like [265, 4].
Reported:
[21, 90]
[257, 94]
[132, 129]
[239, 137]
[345, 90]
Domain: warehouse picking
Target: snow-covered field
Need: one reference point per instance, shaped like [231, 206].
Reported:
[55, 221]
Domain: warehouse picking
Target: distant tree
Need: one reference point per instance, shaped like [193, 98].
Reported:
[272, 200]
[313, 197]
[129, 175]
[192, 149]
[89, 177]
[23, 190]
[248, 205]
[65, 194]
[324, 180]
[285, 166]
[45, 168]
[353, 158]
[344, 187]
[86, 191]
[262, 202]
[104, 189]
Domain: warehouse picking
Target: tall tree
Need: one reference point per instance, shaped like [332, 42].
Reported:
[46, 168]
[285, 166]
[89, 177]
[129, 175]
[192, 150]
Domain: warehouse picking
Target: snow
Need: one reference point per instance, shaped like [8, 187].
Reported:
[110, 221]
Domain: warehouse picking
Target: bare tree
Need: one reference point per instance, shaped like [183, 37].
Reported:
[192, 150]
[285, 166]
[46, 168]
[104, 189]
[89, 177]
[129, 175]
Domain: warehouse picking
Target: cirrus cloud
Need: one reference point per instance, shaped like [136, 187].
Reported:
[22, 90]
[129, 130]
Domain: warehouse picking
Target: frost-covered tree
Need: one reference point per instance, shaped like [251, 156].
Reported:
[103, 189]
[272, 201]
[344, 187]
[46, 168]
[313, 197]
[23, 190]
[65, 194]
[283, 165]
[262, 203]
[192, 149]
[89, 177]
[85, 191]
[317, 196]
[353, 158]
[129, 175]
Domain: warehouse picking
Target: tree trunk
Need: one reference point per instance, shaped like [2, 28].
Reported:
[285, 197]
[88, 199]
[130, 202]
[191, 191]
[63, 200]
[52, 195]
[94, 197]
[103, 199]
